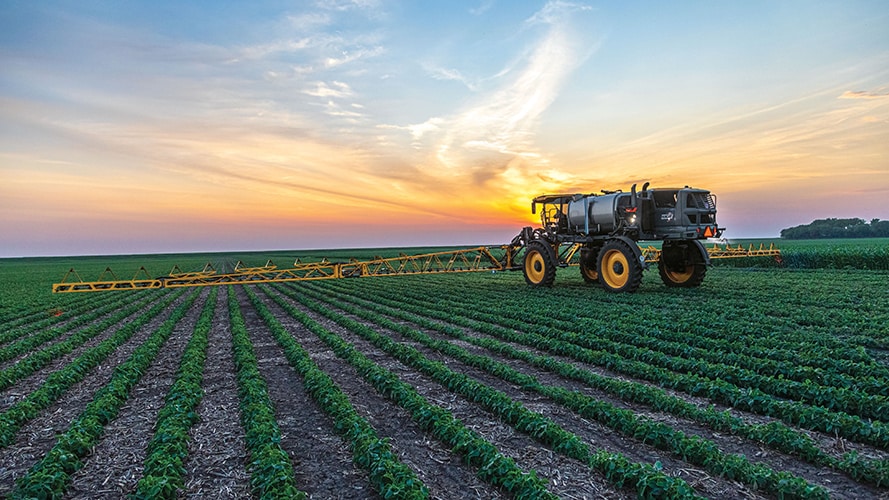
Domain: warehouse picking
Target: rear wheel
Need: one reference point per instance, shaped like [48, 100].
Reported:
[539, 264]
[589, 269]
[681, 265]
[619, 270]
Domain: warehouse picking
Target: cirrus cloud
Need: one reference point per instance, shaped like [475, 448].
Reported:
[863, 94]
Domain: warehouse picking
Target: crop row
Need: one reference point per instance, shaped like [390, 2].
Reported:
[693, 449]
[271, 472]
[670, 355]
[675, 350]
[749, 399]
[492, 466]
[29, 343]
[776, 435]
[25, 325]
[164, 472]
[754, 309]
[49, 477]
[864, 377]
[61, 380]
[648, 480]
[762, 354]
[390, 477]
[19, 311]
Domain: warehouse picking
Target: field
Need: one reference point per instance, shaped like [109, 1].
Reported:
[765, 382]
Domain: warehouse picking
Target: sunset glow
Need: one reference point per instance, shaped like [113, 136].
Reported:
[144, 127]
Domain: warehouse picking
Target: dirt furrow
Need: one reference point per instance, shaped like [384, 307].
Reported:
[115, 464]
[60, 338]
[39, 435]
[831, 445]
[216, 462]
[25, 386]
[439, 469]
[568, 478]
[321, 460]
[593, 433]
[840, 485]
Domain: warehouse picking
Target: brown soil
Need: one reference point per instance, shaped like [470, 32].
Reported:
[109, 472]
[322, 460]
[216, 454]
[39, 435]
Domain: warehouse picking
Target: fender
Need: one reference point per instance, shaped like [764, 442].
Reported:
[637, 252]
[705, 255]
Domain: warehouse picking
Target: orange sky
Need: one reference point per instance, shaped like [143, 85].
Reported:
[374, 123]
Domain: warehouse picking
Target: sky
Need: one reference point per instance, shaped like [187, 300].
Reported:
[167, 126]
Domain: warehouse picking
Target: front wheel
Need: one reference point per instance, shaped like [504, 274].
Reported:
[681, 265]
[619, 270]
[539, 264]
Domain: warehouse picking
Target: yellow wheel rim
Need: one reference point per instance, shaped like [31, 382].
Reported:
[535, 267]
[615, 269]
[680, 276]
[592, 274]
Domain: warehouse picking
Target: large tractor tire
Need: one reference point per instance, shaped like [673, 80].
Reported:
[540, 264]
[619, 268]
[682, 265]
[589, 268]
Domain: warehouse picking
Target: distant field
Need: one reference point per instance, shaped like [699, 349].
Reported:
[31, 279]
[851, 253]
[765, 382]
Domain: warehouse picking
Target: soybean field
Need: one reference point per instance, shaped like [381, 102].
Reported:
[768, 381]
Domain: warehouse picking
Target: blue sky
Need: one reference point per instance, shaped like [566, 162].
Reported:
[129, 127]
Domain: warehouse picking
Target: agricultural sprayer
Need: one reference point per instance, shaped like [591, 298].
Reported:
[600, 233]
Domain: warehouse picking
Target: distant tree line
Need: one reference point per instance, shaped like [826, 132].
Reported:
[838, 228]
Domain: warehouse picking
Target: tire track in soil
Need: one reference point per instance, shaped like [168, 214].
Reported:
[440, 470]
[29, 384]
[39, 435]
[568, 478]
[593, 433]
[839, 484]
[115, 464]
[216, 454]
[322, 461]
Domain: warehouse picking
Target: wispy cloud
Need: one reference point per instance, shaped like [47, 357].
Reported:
[347, 56]
[863, 94]
[449, 74]
[335, 89]
[496, 132]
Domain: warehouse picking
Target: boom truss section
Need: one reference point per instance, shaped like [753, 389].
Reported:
[653, 254]
[455, 261]
[478, 259]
